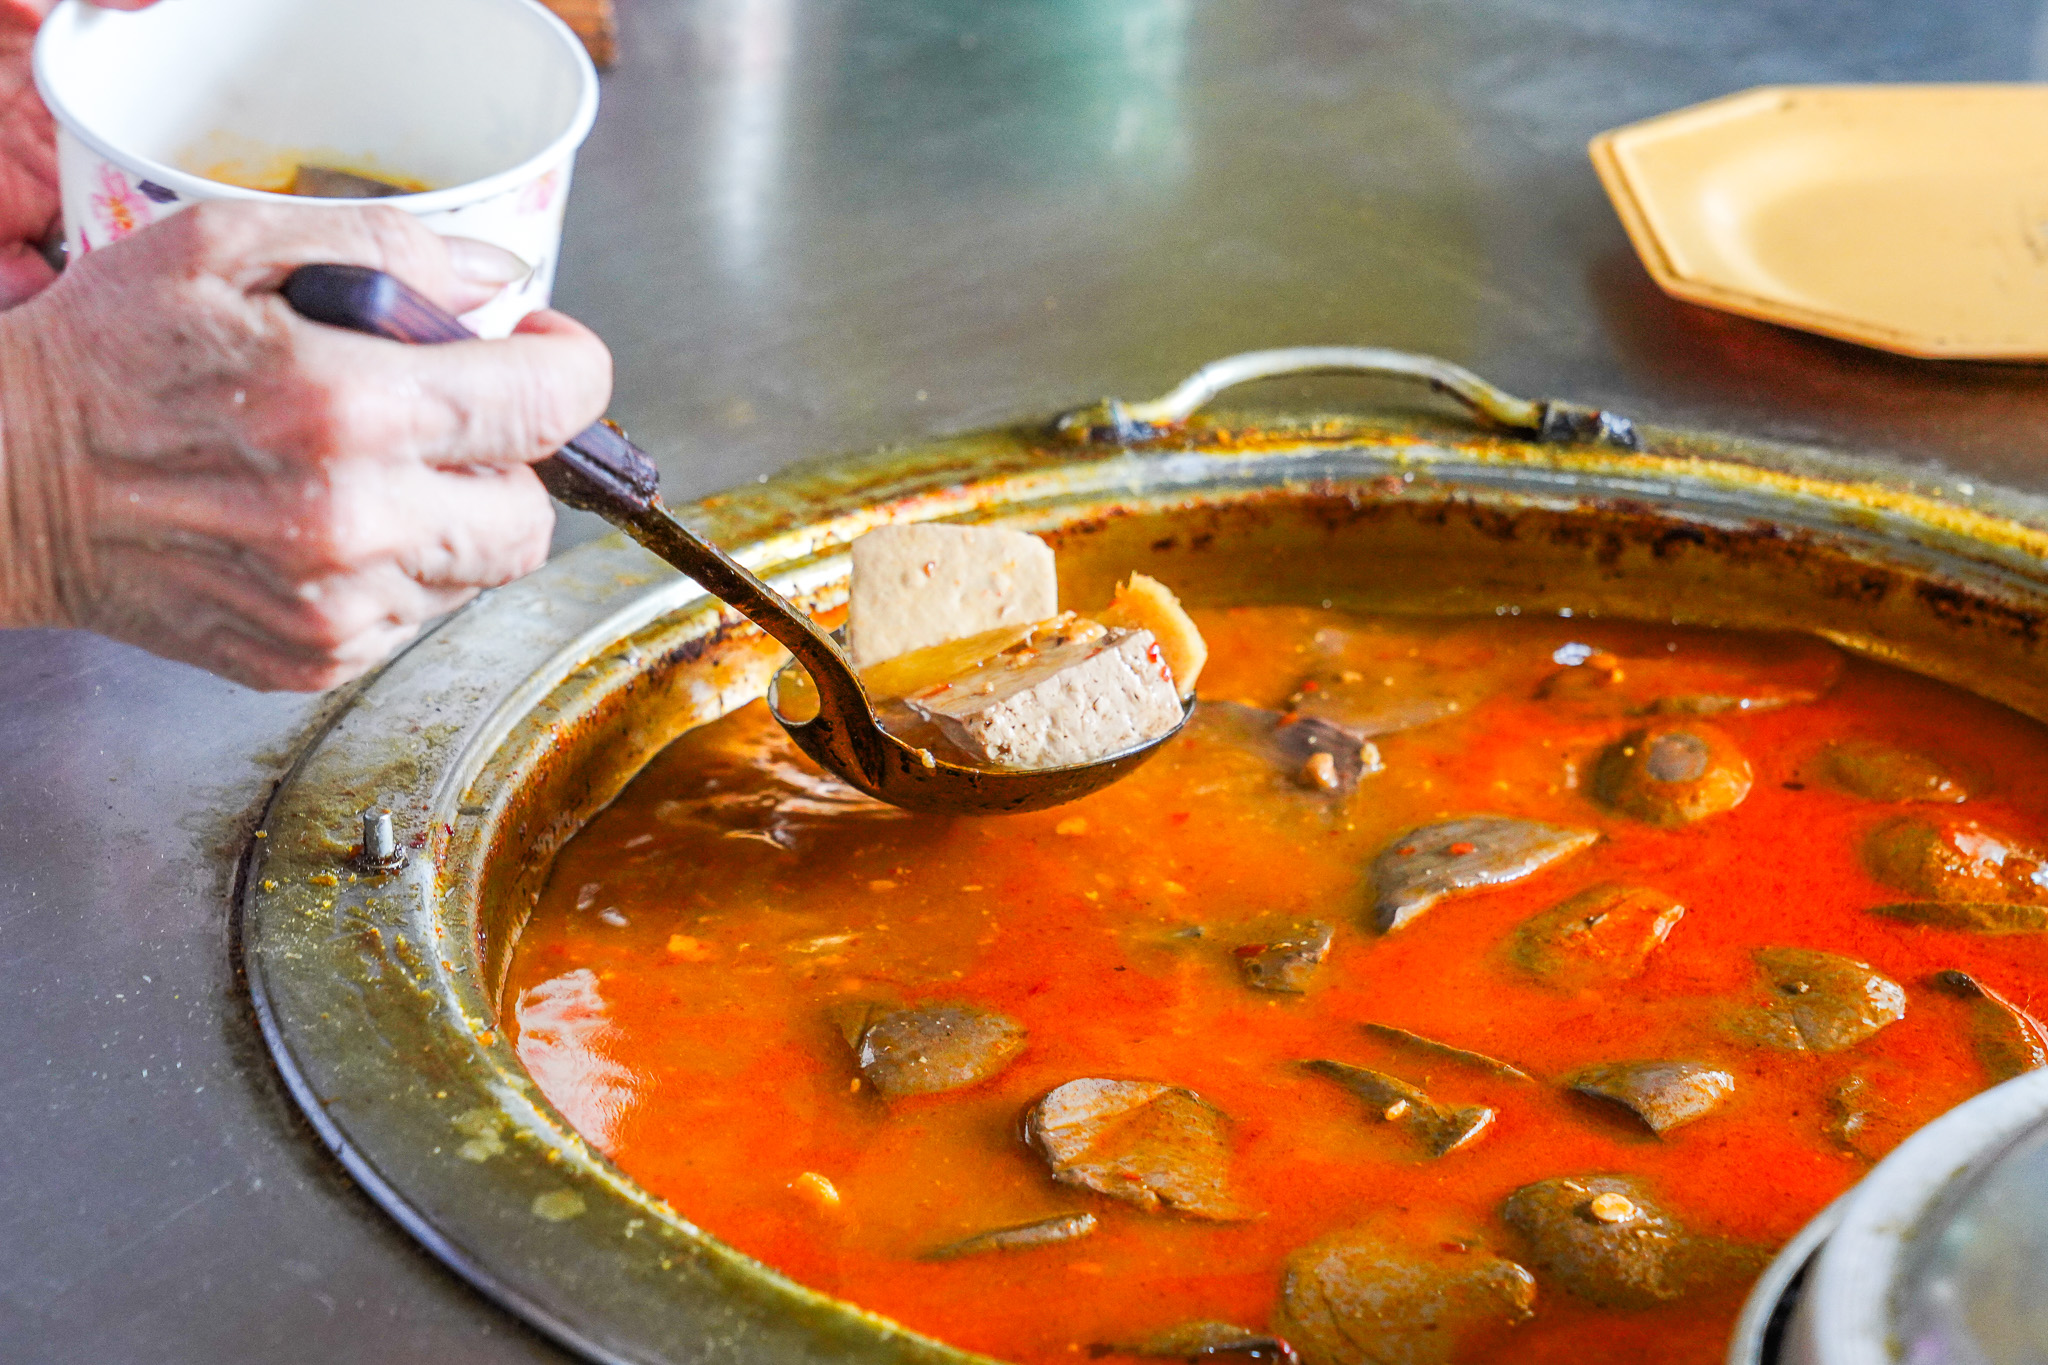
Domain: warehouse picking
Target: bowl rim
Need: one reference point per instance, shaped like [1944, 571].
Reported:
[63, 26]
[1845, 1311]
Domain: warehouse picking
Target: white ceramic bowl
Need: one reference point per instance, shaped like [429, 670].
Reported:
[485, 100]
[1845, 1314]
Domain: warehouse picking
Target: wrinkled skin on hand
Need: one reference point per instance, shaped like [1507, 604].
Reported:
[187, 465]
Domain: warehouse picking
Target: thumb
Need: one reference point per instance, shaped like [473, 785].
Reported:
[23, 274]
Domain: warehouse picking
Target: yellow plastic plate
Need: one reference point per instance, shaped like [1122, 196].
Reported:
[1913, 218]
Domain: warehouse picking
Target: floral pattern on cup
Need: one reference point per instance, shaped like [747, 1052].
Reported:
[118, 206]
[539, 194]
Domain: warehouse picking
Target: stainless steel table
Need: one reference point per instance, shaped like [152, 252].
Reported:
[810, 226]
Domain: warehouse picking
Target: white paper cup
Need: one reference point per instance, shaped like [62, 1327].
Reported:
[485, 100]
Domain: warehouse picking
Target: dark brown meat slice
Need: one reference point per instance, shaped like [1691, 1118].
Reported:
[1956, 860]
[1600, 683]
[1439, 1128]
[1022, 1237]
[1867, 1121]
[932, 1048]
[1364, 705]
[1430, 1047]
[1875, 1107]
[2009, 1040]
[1664, 1095]
[1604, 934]
[1819, 1002]
[1879, 772]
[1424, 865]
[1672, 774]
[1976, 917]
[1857, 1107]
[1733, 674]
[1207, 1340]
[754, 783]
[1354, 1298]
[1286, 961]
[1313, 754]
[1606, 1239]
[1322, 756]
[1156, 1146]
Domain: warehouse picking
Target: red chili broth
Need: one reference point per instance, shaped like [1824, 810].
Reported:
[671, 992]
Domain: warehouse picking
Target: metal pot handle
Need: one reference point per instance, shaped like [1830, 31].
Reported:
[1114, 421]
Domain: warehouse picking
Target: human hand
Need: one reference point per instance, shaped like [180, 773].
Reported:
[28, 153]
[190, 466]
[28, 158]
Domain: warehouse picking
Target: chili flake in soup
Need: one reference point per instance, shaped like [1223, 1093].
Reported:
[1448, 990]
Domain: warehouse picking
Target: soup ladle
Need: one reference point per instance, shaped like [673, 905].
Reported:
[603, 472]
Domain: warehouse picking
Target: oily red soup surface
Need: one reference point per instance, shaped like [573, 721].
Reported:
[673, 991]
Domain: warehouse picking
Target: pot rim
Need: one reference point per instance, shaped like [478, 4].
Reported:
[348, 971]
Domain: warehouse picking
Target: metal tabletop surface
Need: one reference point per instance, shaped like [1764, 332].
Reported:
[811, 226]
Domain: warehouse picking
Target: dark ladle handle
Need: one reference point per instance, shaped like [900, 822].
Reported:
[599, 471]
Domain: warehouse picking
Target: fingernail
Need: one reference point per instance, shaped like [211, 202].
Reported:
[484, 262]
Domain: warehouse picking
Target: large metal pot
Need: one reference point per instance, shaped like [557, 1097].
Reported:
[497, 736]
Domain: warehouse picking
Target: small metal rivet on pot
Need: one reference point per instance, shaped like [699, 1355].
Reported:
[380, 842]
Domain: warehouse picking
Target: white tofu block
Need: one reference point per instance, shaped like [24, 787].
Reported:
[914, 586]
[1073, 702]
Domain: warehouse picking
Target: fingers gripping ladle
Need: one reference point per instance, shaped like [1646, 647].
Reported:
[601, 471]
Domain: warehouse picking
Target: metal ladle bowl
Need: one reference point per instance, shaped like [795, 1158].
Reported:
[871, 757]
